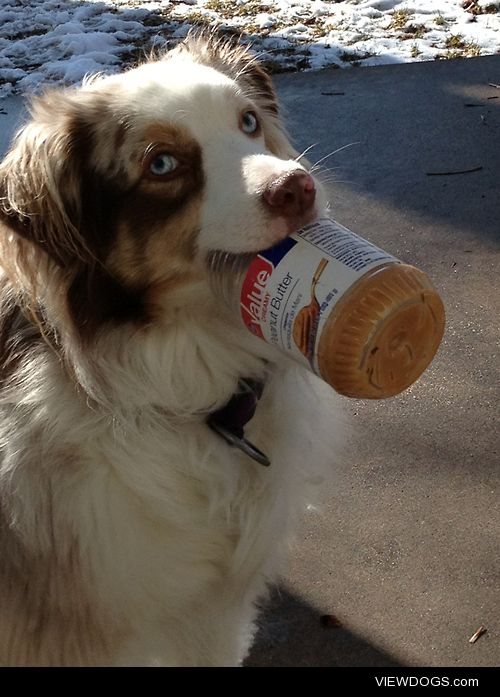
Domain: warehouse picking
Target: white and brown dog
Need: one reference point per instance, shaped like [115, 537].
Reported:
[131, 533]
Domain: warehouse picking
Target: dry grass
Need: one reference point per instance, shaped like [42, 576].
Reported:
[400, 19]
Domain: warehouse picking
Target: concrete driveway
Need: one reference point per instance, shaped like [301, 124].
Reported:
[405, 553]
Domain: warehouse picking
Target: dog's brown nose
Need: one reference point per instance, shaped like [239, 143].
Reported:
[291, 195]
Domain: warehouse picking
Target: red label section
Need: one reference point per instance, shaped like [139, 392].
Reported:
[253, 299]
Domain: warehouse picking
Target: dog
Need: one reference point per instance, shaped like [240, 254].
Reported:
[132, 533]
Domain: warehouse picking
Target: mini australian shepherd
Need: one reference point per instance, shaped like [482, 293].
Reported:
[132, 532]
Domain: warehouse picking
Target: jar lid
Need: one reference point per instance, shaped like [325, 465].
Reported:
[382, 334]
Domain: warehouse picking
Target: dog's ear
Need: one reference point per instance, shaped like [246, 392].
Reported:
[41, 178]
[54, 199]
[39, 181]
[225, 54]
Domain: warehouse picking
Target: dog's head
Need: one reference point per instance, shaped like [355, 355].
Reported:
[127, 185]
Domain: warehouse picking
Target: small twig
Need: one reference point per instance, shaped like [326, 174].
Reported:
[329, 622]
[454, 171]
[495, 97]
[333, 94]
[478, 633]
[492, 84]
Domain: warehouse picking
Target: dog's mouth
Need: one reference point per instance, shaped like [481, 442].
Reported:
[226, 271]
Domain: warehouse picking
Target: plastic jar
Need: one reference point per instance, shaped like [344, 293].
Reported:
[365, 322]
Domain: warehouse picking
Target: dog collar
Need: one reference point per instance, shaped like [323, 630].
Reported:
[229, 422]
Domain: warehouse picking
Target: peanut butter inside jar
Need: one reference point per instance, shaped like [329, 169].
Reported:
[382, 334]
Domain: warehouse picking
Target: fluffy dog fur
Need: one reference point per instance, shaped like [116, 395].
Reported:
[130, 533]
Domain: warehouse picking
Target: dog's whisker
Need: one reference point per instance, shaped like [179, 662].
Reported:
[324, 172]
[305, 151]
[334, 152]
[321, 169]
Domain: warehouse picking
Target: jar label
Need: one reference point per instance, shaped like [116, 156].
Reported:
[289, 290]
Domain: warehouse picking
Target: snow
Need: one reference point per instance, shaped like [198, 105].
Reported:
[59, 42]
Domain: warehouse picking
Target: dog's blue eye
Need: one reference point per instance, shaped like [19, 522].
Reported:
[163, 164]
[249, 123]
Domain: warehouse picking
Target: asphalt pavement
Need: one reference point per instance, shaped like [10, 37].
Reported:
[405, 555]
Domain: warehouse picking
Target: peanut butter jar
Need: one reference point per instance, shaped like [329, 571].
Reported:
[365, 322]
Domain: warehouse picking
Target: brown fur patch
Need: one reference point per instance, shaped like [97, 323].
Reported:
[22, 331]
[159, 217]
[120, 135]
[47, 614]
[102, 208]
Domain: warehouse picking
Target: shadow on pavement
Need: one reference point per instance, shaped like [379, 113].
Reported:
[423, 141]
[291, 634]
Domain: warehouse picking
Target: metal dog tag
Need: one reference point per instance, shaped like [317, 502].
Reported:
[241, 443]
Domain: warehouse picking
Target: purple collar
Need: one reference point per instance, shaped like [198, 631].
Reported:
[229, 422]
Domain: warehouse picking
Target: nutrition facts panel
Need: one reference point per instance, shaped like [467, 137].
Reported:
[343, 245]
